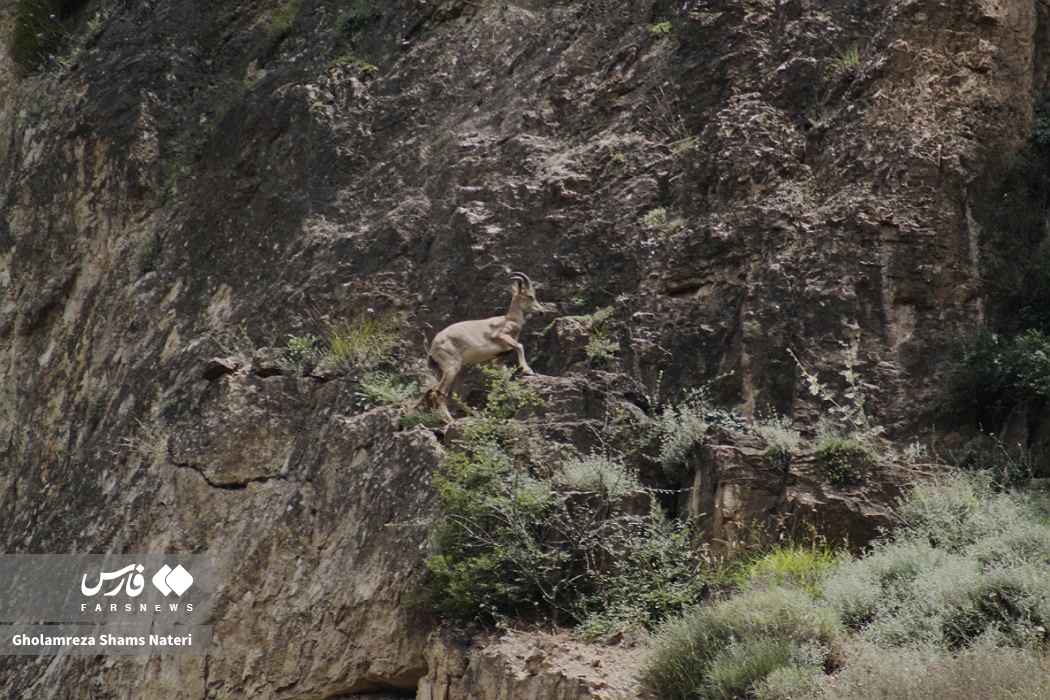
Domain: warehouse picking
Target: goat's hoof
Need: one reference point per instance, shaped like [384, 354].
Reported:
[528, 372]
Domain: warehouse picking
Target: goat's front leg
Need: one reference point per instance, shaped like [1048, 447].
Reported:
[511, 344]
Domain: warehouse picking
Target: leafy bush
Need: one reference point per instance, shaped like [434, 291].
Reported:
[999, 372]
[726, 649]
[598, 473]
[847, 410]
[426, 418]
[281, 19]
[507, 395]
[792, 566]
[653, 573]
[513, 544]
[679, 428]
[845, 461]
[601, 346]
[930, 673]
[362, 343]
[659, 29]
[968, 564]
[1006, 466]
[782, 442]
[300, 356]
[956, 604]
[382, 388]
[356, 18]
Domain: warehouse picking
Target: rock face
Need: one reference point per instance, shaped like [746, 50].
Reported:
[194, 181]
[526, 665]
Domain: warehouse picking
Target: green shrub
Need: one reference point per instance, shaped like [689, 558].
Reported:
[428, 419]
[659, 29]
[959, 512]
[507, 394]
[650, 572]
[280, 20]
[678, 428]
[926, 672]
[845, 461]
[999, 372]
[599, 473]
[362, 343]
[725, 649]
[1004, 366]
[967, 564]
[1007, 466]
[383, 388]
[300, 356]
[356, 18]
[513, 544]
[792, 566]
[601, 346]
[782, 442]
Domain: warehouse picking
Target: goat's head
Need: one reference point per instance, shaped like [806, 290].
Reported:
[525, 295]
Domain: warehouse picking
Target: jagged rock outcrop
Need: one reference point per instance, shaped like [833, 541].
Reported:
[199, 178]
[526, 665]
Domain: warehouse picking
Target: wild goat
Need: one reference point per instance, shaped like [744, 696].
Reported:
[470, 342]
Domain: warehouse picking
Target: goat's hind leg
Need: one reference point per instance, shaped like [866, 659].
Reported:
[453, 392]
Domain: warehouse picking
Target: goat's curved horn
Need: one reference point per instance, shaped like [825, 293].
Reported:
[521, 276]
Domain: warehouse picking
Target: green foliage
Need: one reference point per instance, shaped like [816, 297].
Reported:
[928, 672]
[383, 388]
[512, 543]
[660, 220]
[617, 159]
[428, 419]
[659, 29]
[845, 461]
[998, 372]
[280, 20]
[649, 571]
[679, 427]
[601, 346]
[726, 649]
[792, 566]
[362, 343]
[300, 356]
[847, 410]
[598, 473]
[507, 395]
[968, 566]
[1008, 466]
[848, 60]
[356, 18]
[782, 442]
[956, 604]
[364, 69]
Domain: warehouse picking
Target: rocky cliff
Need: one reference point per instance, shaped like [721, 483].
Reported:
[184, 181]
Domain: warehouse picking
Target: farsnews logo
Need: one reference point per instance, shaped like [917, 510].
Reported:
[169, 580]
[166, 580]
